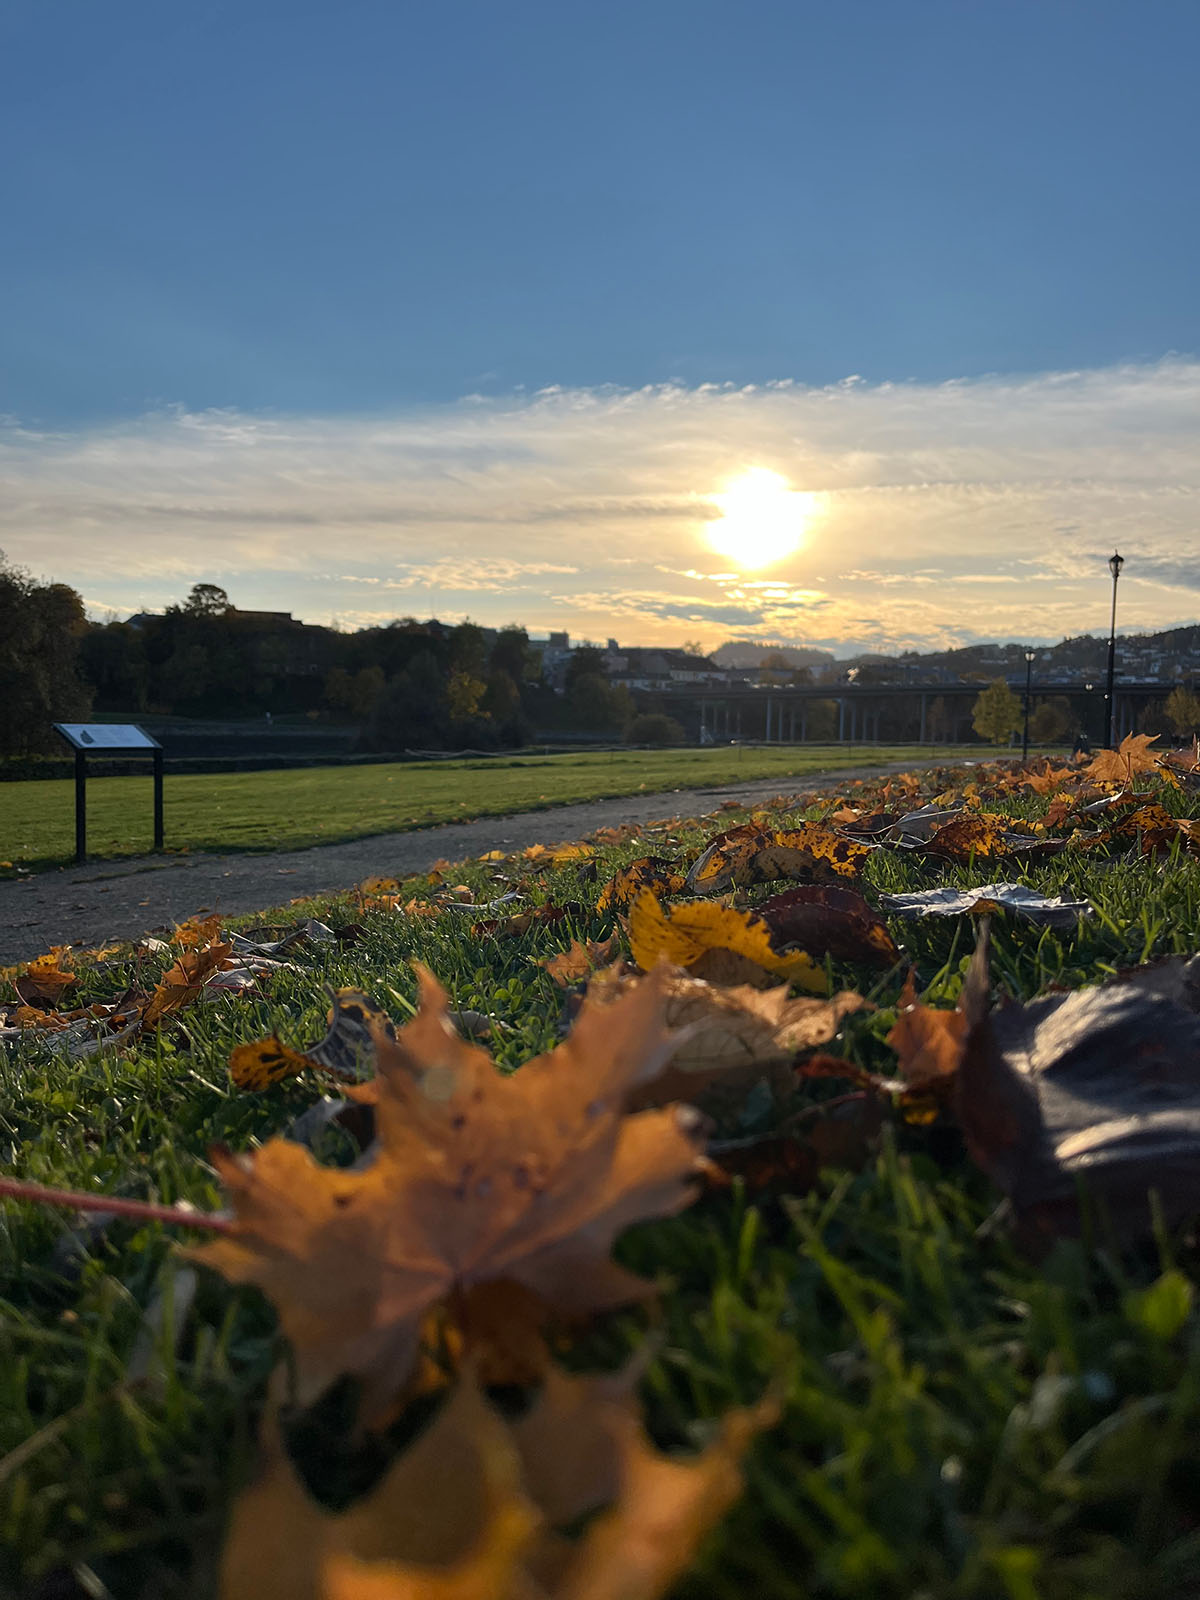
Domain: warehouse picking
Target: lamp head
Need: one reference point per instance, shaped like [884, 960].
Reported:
[1029, 655]
[1115, 563]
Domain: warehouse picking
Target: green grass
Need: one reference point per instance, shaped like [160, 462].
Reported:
[959, 1423]
[292, 809]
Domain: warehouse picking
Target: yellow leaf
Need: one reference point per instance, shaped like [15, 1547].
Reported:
[685, 934]
[265, 1062]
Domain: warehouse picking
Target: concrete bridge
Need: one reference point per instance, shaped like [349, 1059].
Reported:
[783, 714]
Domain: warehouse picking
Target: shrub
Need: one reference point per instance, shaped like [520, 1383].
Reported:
[654, 727]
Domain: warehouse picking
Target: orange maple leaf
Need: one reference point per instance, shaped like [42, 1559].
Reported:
[477, 1508]
[183, 980]
[1132, 755]
[476, 1177]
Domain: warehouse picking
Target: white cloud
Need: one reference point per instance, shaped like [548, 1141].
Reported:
[966, 510]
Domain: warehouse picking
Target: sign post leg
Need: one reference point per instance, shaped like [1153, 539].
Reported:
[158, 799]
[80, 808]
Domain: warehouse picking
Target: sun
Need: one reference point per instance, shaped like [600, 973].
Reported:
[763, 519]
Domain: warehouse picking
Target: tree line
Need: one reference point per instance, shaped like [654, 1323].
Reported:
[409, 684]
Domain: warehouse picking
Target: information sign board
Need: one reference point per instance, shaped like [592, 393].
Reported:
[109, 738]
[105, 736]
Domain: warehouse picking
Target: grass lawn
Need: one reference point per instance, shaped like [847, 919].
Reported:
[959, 1422]
[291, 809]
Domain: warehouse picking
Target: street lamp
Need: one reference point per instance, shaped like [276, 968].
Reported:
[1028, 680]
[1115, 563]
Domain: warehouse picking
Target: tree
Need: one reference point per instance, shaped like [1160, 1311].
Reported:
[997, 714]
[510, 653]
[585, 661]
[594, 704]
[1183, 711]
[1051, 721]
[463, 695]
[207, 600]
[40, 628]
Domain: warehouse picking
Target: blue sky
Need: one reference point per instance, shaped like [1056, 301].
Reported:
[354, 216]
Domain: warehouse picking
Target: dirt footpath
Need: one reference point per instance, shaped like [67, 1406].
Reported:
[122, 899]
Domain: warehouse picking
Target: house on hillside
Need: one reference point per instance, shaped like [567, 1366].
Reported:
[647, 667]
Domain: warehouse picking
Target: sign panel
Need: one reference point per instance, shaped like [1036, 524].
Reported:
[105, 736]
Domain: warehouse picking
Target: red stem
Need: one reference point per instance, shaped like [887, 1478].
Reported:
[142, 1210]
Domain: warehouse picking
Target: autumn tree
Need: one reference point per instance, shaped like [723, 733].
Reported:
[996, 715]
[464, 692]
[1182, 711]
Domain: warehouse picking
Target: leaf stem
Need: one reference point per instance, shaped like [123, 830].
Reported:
[142, 1210]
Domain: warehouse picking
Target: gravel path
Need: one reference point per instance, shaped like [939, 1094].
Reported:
[122, 899]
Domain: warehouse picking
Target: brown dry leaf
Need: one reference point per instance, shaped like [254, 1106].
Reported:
[449, 1519]
[617, 835]
[698, 933]
[583, 1446]
[46, 978]
[928, 1041]
[757, 854]
[984, 836]
[828, 919]
[1132, 755]
[1152, 828]
[656, 873]
[472, 1511]
[183, 981]
[476, 1177]
[581, 960]
[734, 1034]
[197, 932]
[1049, 778]
[1093, 1092]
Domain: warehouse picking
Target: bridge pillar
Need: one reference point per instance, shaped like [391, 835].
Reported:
[841, 721]
[924, 709]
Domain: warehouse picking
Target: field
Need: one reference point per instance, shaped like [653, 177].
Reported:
[963, 1416]
[291, 809]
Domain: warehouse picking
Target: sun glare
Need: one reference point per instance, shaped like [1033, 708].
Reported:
[762, 521]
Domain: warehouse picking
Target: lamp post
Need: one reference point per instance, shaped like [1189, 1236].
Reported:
[1115, 563]
[1028, 681]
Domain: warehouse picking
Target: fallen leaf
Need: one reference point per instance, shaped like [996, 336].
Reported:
[656, 873]
[730, 1036]
[702, 936]
[1054, 911]
[984, 837]
[927, 1040]
[753, 854]
[475, 1177]
[1097, 1089]
[827, 919]
[196, 932]
[1132, 755]
[46, 978]
[577, 963]
[478, 1509]
[183, 981]
[265, 1062]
